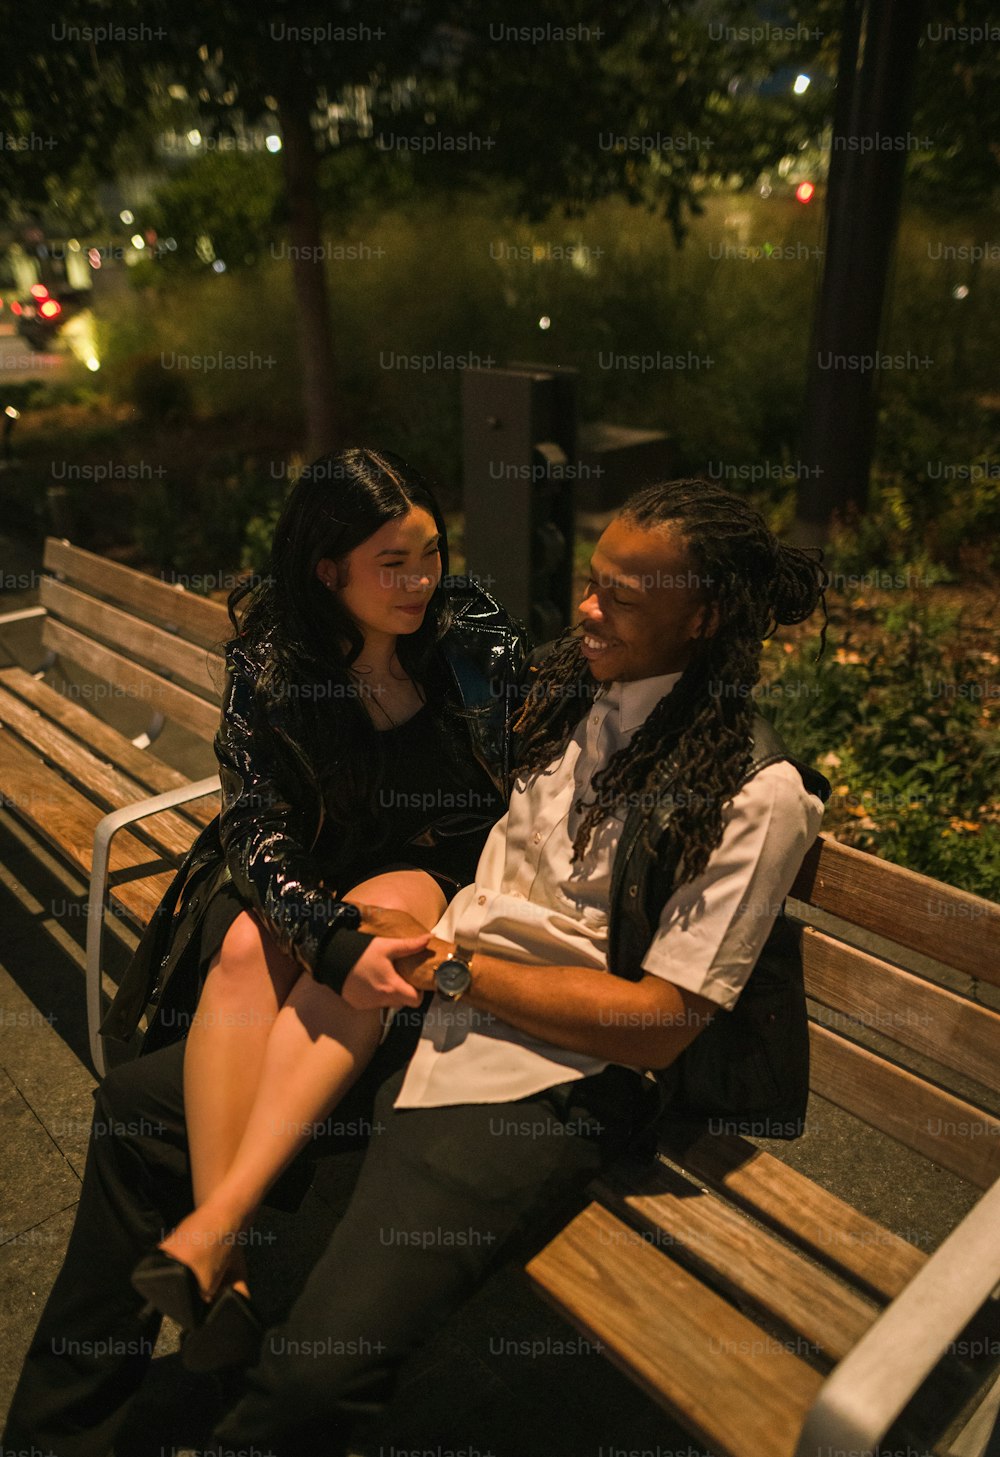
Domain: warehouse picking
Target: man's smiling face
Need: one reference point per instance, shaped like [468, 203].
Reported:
[644, 606]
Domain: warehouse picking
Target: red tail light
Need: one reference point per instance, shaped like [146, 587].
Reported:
[38, 290]
[50, 308]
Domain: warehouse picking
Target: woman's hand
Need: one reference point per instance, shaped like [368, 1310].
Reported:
[374, 980]
[419, 967]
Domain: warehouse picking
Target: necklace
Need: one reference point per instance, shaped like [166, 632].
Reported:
[376, 684]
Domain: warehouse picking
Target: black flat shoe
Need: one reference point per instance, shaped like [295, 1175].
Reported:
[172, 1288]
[230, 1334]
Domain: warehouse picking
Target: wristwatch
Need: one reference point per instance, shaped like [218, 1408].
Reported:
[453, 977]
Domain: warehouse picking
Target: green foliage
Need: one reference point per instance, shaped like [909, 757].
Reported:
[224, 343]
[221, 206]
[192, 525]
[259, 531]
[733, 305]
[158, 395]
[958, 72]
[904, 726]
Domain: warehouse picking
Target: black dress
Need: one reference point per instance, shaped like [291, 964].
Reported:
[434, 807]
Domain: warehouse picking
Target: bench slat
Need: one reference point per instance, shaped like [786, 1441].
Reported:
[957, 928]
[737, 1388]
[779, 1196]
[104, 785]
[960, 1034]
[170, 699]
[171, 655]
[143, 766]
[191, 615]
[950, 1132]
[42, 799]
[748, 1260]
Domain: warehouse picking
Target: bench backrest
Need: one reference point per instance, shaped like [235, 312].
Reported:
[904, 1033]
[916, 998]
[152, 639]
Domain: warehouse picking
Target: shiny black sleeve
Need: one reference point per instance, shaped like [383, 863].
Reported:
[267, 827]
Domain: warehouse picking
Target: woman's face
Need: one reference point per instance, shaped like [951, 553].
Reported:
[386, 582]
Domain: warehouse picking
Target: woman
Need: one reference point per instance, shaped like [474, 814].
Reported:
[364, 755]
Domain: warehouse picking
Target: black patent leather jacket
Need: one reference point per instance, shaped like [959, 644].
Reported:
[272, 807]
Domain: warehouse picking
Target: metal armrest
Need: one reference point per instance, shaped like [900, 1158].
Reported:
[22, 613]
[103, 835]
[861, 1399]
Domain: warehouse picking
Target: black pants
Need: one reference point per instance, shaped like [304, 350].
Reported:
[442, 1195]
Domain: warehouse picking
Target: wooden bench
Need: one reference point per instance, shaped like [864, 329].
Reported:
[768, 1316]
[103, 802]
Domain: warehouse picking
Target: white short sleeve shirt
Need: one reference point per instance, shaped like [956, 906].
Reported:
[530, 903]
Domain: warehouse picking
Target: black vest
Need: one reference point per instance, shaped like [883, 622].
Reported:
[748, 1071]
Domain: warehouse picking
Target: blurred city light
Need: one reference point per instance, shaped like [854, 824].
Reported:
[127, 217]
[273, 143]
[545, 322]
[804, 192]
[801, 84]
[80, 335]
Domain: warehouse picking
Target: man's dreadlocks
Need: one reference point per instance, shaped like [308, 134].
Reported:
[695, 744]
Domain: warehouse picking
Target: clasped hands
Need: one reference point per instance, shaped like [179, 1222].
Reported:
[399, 964]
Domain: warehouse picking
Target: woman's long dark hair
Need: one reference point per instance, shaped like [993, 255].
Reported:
[337, 503]
[297, 627]
[694, 747]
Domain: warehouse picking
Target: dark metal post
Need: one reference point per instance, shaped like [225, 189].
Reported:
[871, 140]
[519, 452]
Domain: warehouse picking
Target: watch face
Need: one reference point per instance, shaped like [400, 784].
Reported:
[452, 977]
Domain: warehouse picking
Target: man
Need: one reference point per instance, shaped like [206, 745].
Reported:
[652, 834]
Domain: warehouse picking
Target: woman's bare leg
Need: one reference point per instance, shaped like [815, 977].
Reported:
[316, 1048]
[247, 981]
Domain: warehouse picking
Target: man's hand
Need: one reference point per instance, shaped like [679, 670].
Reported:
[374, 979]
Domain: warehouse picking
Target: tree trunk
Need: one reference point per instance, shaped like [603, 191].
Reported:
[868, 157]
[312, 301]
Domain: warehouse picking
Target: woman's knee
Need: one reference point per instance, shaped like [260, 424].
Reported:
[413, 891]
[249, 965]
